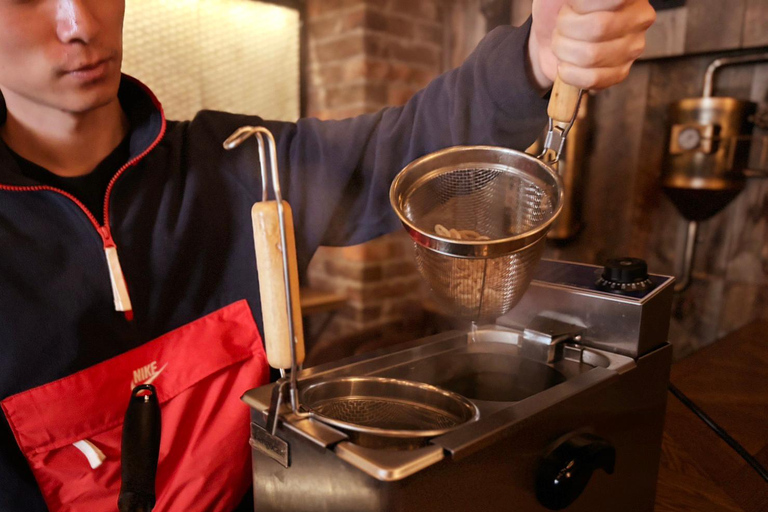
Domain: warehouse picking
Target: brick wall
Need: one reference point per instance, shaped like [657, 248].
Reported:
[365, 55]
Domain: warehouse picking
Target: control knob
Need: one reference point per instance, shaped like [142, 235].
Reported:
[625, 275]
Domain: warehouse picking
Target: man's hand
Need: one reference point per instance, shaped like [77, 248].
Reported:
[590, 43]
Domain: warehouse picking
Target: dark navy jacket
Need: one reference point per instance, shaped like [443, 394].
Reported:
[179, 216]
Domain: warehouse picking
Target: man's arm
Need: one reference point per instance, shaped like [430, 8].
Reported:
[336, 174]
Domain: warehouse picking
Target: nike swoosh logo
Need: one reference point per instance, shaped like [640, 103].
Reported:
[152, 378]
[156, 375]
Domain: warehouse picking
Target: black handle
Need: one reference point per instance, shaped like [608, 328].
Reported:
[566, 470]
[140, 451]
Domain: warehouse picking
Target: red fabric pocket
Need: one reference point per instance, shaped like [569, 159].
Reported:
[200, 371]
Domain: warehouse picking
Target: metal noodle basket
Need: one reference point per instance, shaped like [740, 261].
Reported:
[478, 216]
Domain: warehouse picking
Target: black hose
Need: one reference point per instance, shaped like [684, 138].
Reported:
[720, 431]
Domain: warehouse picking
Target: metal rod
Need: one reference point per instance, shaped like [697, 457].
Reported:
[482, 290]
[274, 407]
[286, 268]
[709, 77]
[263, 165]
[689, 251]
[233, 141]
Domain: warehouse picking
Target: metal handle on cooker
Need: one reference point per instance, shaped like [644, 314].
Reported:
[563, 109]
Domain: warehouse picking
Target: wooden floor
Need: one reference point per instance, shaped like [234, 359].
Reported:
[699, 472]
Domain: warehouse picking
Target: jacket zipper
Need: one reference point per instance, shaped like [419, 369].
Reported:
[120, 295]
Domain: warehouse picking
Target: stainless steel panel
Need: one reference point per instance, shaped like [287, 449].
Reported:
[616, 323]
[390, 465]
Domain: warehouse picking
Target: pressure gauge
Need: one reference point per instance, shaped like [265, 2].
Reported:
[689, 138]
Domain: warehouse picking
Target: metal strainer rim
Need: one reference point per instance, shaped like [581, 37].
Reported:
[462, 401]
[467, 248]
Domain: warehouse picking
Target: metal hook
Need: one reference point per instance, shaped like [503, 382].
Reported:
[233, 141]
[241, 135]
[556, 135]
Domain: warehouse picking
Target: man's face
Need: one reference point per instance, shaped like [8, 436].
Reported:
[61, 54]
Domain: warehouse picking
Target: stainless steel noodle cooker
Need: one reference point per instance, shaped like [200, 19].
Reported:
[557, 404]
[570, 386]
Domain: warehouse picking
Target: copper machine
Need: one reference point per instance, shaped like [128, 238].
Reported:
[707, 157]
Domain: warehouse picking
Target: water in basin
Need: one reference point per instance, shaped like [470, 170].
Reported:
[482, 376]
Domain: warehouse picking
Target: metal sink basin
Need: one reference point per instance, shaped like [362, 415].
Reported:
[486, 376]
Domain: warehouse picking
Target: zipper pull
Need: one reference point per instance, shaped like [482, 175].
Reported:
[119, 286]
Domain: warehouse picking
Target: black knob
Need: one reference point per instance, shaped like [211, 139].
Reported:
[565, 471]
[625, 275]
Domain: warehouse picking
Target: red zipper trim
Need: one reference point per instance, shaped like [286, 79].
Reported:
[69, 196]
[104, 230]
[132, 162]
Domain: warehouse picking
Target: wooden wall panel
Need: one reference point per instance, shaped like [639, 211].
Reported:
[755, 24]
[521, 9]
[759, 155]
[746, 268]
[714, 25]
[759, 90]
[465, 27]
[617, 115]
[664, 87]
[667, 36]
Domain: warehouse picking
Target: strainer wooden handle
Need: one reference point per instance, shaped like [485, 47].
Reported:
[563, 101]
[269, 260]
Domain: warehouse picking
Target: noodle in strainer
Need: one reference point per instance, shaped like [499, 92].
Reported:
[478, 217]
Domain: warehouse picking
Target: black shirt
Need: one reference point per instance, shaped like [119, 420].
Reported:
[89, 189]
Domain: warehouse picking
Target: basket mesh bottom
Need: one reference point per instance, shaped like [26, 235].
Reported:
[493, 203]
[478, 288]
[385, 414]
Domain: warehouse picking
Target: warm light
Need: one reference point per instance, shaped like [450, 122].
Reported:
[232, 55]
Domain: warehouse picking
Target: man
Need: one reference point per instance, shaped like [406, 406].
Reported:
[126, 252]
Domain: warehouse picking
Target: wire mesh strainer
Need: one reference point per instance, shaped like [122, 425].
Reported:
[478, 216]
[379, 412]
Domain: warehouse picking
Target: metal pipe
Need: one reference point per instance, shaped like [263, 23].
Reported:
[709, 77]
[689, 251]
